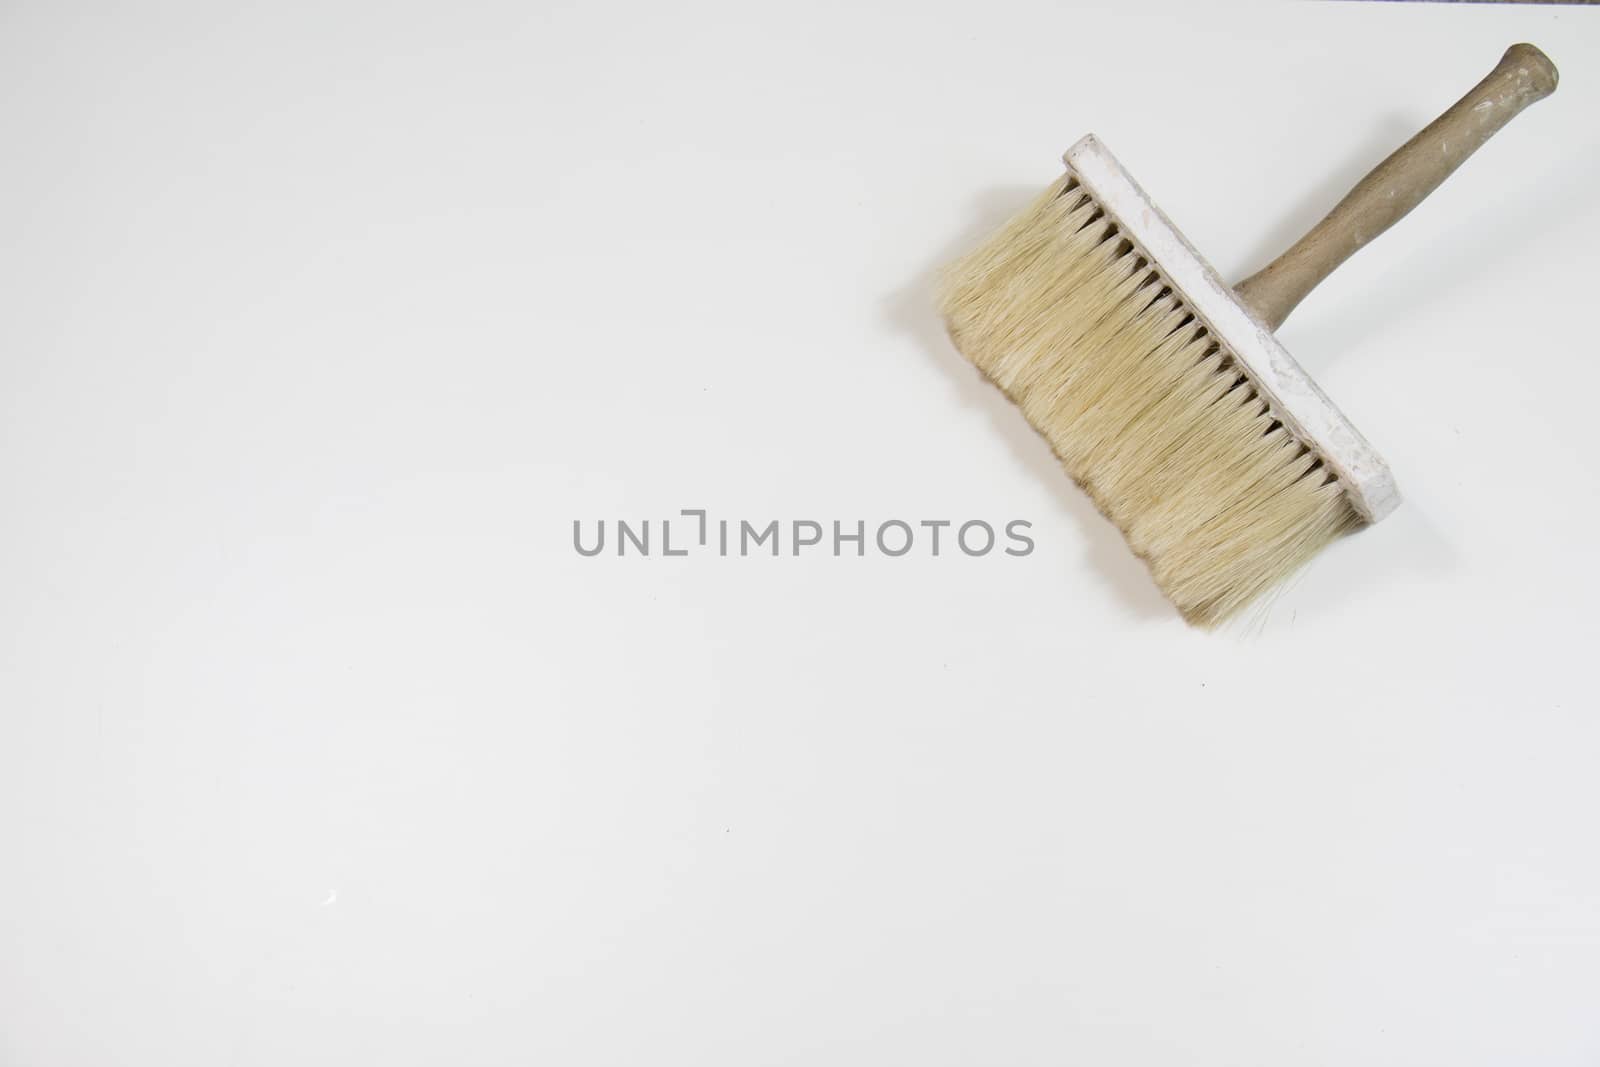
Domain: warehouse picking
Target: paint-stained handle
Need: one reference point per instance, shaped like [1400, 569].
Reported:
[1400, 182]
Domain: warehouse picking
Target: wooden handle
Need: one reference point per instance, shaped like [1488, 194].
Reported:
[1398, 184]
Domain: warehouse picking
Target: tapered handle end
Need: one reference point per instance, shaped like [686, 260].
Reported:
[1398, 184]
[1533, 68]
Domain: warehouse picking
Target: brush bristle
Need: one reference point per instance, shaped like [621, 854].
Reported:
[1146, 411]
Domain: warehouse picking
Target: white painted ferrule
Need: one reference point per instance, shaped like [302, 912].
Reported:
[1293, 396]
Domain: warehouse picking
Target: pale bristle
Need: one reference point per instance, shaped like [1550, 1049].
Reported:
[1144, 408]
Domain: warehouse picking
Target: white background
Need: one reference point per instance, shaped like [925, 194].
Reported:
[319, 744]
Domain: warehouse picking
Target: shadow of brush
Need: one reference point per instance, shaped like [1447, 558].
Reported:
[1416, 279]
[914, 311]
[1422, 275]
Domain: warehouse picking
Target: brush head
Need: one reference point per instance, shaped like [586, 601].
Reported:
[1223, 464]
